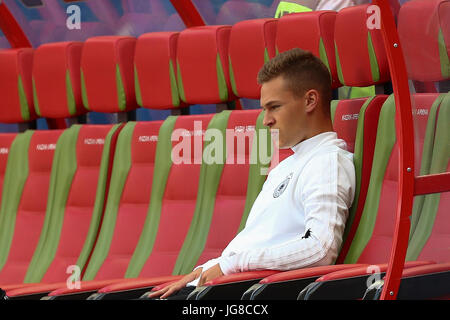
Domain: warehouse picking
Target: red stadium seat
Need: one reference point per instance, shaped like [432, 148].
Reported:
[150, 257]
[252, 42]
[222, 209]
[128, 200]
[74, 211]
[134, 207]
[16, 86]
[159, 245]
[387, 198]
[23, 209]
[56, 80]
[201, 241]
[360, 56]
[435, 35]
[431, 238]
[26, 165]
[424, 33]
[426, 108]
[150, 249]
[6, 140]
[311, 31]
[346, 121]
[80, 199]
[155, 70]
[372, 240]
[202, 65]
[107, 78]
[230, 207]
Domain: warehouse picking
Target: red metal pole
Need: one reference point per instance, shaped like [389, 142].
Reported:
[405, 138]
[11, 29]
[432, 183]
[188, 13]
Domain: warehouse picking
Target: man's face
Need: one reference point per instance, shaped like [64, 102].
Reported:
[284, 112]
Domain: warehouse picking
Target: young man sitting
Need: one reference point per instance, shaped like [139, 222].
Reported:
[299, 216]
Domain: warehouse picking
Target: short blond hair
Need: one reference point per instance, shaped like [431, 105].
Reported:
[302, 71]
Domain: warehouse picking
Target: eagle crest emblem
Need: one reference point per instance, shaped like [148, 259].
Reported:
[282, 186]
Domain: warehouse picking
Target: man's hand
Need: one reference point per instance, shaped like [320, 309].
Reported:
[176, 286]
[210, 274]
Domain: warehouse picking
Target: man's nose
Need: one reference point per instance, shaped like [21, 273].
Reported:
[268, 121]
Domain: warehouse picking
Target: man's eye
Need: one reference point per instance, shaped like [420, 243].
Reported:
[271, 108]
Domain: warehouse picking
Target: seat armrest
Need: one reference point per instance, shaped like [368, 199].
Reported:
[287, 285]
[231, 286]
[8, 287]
[308, 272]
[241, 276]
[132, 288]
[33, 292]
[137, 283]
[85, 290]
[348, 284]
[418, 283]
[426, 269]
[367, 269]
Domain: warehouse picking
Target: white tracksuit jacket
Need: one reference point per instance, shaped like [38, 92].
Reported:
[299, 216]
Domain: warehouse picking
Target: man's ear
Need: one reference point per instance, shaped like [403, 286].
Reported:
[312, 100]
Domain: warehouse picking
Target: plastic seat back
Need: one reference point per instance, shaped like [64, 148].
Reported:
[6, 140]
[311, 31]
[128, 200]
[16, 85]
[373, 238]
[424, 32]
[355, 121]
[229, 191]
[74, 213]
[425, 22]
[360, 55]
[172, 204]
[202, 65]
[431, 237]
[252, 43]
[24, 201]
[56, 80]
[155, 70]
[107, 77]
